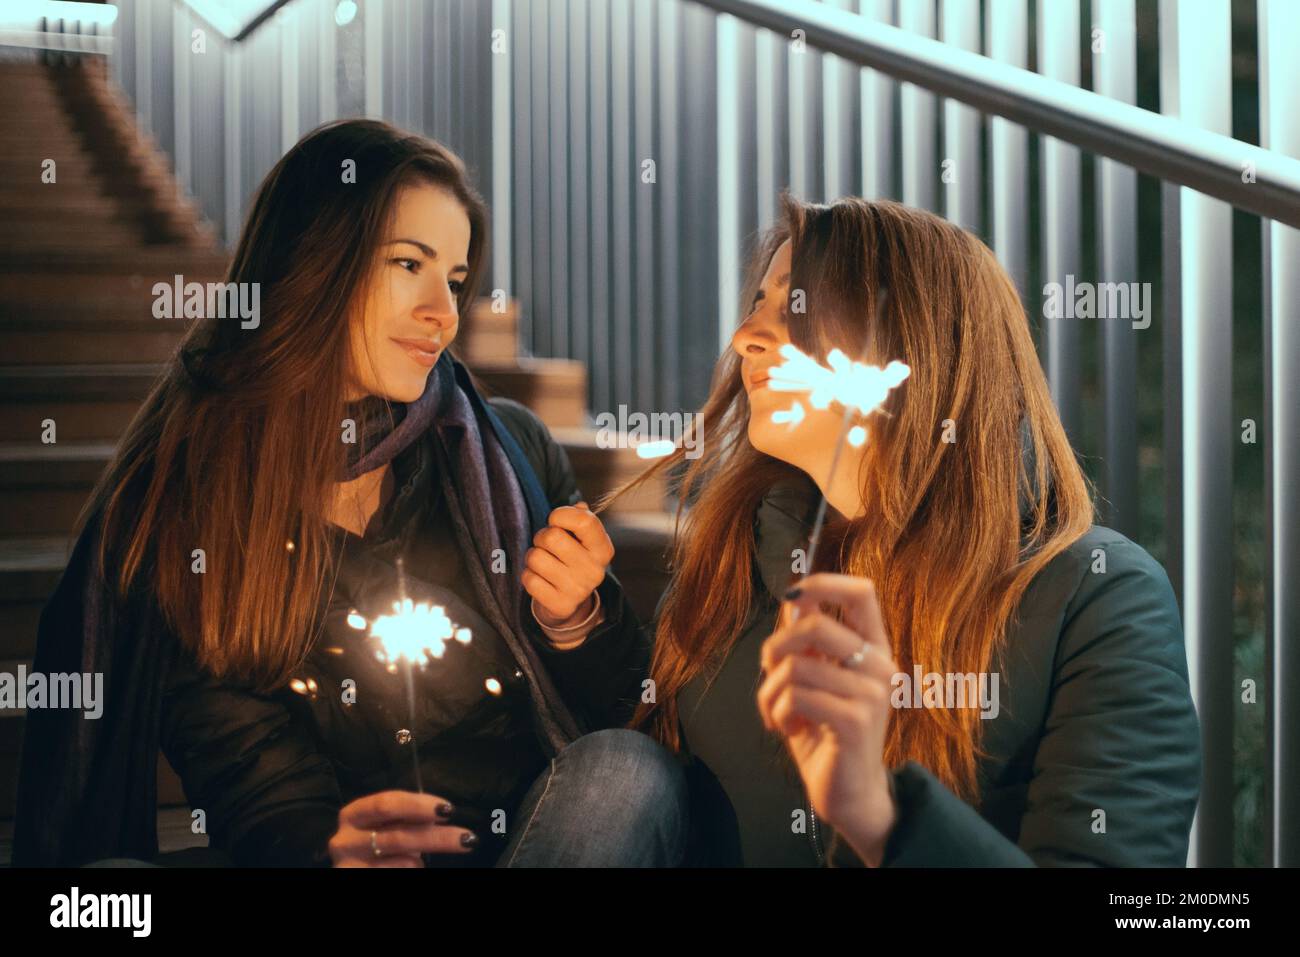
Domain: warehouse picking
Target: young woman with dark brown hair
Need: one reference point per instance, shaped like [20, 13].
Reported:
[960, 545]
[284, 484]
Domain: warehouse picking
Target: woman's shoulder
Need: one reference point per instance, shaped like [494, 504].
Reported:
[522, 421]
[1105, 562]
[544, 453]
[1105, 597]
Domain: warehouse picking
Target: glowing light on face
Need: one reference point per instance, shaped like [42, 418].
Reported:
[853, 385]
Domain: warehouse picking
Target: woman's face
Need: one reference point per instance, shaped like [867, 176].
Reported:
[809, 444]
[410, 313]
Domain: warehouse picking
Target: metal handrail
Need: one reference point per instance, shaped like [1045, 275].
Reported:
[1153, 143]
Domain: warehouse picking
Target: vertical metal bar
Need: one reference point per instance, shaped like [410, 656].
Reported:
[327, 64]
[598, 73]
[623, 181]
[644, 252]
[1007, 35]
[668, 234]
[839, 108]
[541, 189]
[558, 163]
[1198, 40]
[579, 197]
[232, 65]
[920, 165]
[1279, 78]
[728, 34]
[182, 100]
[502, 148]
[962, 156]
[519, 58]
[877, 95]
[1058, 58]
[1115, 76]
[374, 56]
[143, 67]
[290, 31]
[766, 51]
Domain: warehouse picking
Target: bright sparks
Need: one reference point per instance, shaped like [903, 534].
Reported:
[854, 385]
[418, 633]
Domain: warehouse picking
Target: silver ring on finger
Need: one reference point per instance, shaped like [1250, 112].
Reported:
[374, 844]
[855, 660]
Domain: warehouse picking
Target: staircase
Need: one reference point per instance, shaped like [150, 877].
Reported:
[78, 259]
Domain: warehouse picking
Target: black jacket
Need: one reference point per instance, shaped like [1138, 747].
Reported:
[270, 771]
[1093, 757]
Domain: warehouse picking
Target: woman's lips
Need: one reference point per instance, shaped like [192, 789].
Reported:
[423, 351]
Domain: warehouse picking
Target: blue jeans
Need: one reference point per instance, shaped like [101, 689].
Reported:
[613, 798]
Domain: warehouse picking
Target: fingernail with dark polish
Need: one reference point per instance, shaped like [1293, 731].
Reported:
[469, 839]
[793, 593]
[445, 809]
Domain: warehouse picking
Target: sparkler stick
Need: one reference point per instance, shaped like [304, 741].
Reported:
[859, 388]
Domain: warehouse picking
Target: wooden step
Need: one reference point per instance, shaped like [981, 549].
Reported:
[88, 287]
[45, 486]
[149, 263]
[556, 389]
[87, 402]
[95, 338]
[29, 572]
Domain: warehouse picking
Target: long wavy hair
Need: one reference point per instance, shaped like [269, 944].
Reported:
[946, 539]
[236, 449]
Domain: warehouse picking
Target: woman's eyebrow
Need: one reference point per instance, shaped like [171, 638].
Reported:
[428, 251]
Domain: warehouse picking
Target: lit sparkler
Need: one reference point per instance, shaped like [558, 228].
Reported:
[413, 635]
[859, 388]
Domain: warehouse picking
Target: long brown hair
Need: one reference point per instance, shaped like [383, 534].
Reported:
[236, 450]
[944, 539]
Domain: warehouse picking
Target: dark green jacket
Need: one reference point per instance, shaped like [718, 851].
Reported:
[1093, 757]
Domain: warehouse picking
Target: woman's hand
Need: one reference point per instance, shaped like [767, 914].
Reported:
[833, 710]
[402, 825]
[566, 565]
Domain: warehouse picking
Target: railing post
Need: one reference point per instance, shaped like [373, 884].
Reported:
[1279, 78]
[1115, 76]
[962, 167]
[1058, 58]
[1195, 55]
[920, 163]
[1007, 33]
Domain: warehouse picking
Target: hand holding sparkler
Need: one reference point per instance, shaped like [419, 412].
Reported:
[393, 828]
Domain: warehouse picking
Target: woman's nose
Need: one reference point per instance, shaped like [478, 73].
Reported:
[438, 304]
[752, 339]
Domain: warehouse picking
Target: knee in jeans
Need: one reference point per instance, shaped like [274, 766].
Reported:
[652, 776]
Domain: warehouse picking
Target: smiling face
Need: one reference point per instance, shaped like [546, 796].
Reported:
[757, 342]
[410, 313]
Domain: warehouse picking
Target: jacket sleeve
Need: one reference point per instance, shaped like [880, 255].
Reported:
[268, 794]
[1117, 772]
[600, 680]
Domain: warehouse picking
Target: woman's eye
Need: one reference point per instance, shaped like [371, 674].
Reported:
[456, 286]
[410, 265]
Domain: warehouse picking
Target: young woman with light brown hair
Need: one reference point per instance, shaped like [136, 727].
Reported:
[960, 544]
